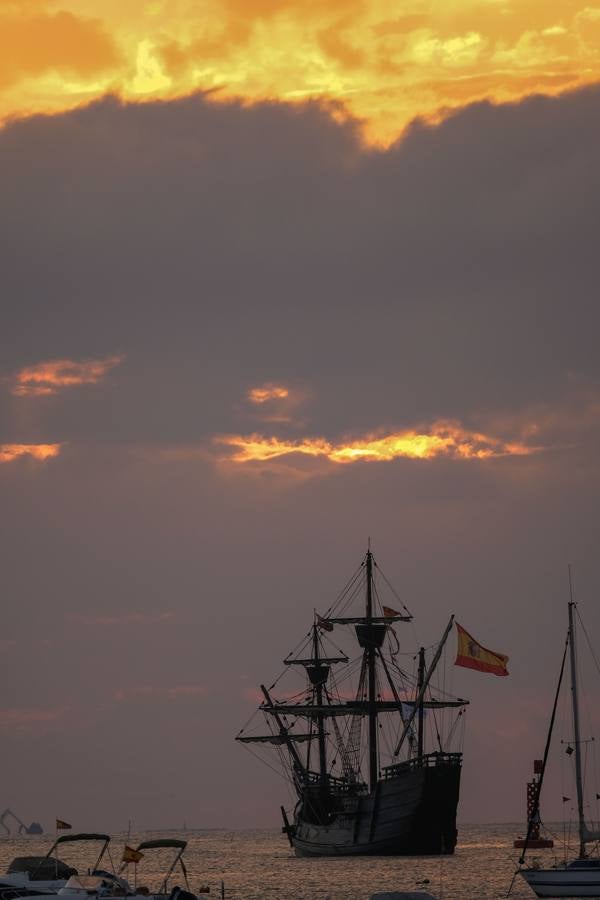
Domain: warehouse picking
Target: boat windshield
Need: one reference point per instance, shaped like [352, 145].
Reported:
[96, 884]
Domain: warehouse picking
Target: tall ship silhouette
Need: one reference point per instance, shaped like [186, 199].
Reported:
[371, 742]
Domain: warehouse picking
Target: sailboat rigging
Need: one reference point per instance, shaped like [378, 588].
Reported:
[578, 877]
[360, 771]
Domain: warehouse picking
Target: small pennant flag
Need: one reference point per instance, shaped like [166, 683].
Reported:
[472, 655]
[569, 751]
[325, 624]
[62, 826]
[390, 613]
[131, 856]
[566, 799]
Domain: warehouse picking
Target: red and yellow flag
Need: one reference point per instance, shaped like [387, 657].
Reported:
[61, 825]
[131, 856]
[472, 655]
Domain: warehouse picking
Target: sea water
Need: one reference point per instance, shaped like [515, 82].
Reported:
[260, 865]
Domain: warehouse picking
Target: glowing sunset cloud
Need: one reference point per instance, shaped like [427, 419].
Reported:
[272, 402]
[40, 452]
[46, 378]
[443, 439]
[267, 392]
[385, 62]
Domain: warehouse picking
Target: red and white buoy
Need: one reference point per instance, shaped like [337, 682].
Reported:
[535, 841]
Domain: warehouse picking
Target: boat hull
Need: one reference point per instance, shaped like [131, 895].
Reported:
[412, 813]
[563, 882]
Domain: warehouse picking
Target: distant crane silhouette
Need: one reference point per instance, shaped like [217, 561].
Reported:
[34, 828]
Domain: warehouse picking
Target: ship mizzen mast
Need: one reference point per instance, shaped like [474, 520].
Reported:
[423, 687]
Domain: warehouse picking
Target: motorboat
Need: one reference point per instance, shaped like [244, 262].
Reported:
[48, 874]
[100, 883]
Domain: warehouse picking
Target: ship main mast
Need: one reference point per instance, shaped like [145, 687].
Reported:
[370, 652]
[318, 675]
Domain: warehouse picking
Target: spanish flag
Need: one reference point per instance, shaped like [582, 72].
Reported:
[62, 826]
[131, 856]
[473, 655]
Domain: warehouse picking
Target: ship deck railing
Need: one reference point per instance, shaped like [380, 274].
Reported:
[337, 785]
[427, 761]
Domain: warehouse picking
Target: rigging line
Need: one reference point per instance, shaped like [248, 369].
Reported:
[351, 596]
[333, 644]
[283, 776]
[453, 728]
[587, 638]
[349, 584]
[393, 590]
[247, 722]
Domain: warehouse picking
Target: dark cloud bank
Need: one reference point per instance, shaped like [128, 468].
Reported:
[216, 247]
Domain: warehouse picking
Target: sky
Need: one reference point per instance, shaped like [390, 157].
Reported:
[276, 280]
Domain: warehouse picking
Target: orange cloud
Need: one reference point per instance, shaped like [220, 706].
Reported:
[41, 452]
[387, 63]
[34, 44]
[273, 402]
[447, 439]
[267, 392]
[46, 378]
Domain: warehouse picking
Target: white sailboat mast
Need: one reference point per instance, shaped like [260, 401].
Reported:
[585, 835]
[575, 702]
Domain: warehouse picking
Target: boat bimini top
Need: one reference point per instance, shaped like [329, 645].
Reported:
[43, 868]
[165, 844]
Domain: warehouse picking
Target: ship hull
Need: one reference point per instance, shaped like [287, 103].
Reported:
[411, 813]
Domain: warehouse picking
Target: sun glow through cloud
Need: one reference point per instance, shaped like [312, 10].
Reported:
[267, 392]
[46, 378]
[40, 452]
[386, 63]
[447, 439]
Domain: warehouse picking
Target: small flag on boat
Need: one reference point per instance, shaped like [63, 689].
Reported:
[566, 799]
[131, 856]
[325, 624]
[473, 655]
[390, 613]
[62, 826]
[569, 751]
